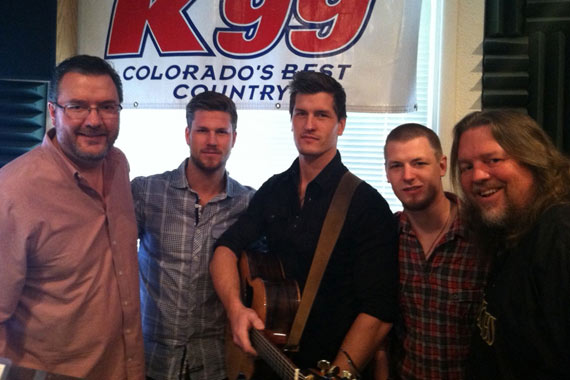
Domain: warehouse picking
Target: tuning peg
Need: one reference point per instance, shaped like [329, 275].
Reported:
[346, 375]
[323, 365]
[333, 371]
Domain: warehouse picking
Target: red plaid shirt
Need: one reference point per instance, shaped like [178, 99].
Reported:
[438, 301]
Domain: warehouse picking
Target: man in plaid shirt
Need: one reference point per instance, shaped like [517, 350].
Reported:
[441, 279]
[180, 214]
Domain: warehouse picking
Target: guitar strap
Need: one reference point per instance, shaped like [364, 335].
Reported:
[334, 220]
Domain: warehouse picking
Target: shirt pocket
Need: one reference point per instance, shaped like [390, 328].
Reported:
[462, 304]
[280, 229]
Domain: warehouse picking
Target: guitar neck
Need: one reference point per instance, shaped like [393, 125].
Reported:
[274, 357]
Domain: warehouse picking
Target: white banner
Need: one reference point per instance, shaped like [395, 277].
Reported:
[167, 51]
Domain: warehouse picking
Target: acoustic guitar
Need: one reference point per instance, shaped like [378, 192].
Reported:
[275, 299]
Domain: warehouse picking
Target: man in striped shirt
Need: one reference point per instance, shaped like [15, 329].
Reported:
[440, 276]
[180, 214]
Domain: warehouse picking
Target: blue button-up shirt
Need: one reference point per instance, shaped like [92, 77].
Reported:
[183, 319]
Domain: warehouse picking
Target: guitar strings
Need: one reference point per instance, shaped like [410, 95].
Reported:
[285, 368]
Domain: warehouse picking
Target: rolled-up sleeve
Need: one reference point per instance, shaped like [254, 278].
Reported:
[375, 234]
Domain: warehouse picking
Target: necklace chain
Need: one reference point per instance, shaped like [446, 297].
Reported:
[441, 231]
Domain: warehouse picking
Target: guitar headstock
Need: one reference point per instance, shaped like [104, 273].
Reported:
[328, 371]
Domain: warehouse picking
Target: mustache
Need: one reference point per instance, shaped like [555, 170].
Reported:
[481, 187]
[217, 151]
[90, 131]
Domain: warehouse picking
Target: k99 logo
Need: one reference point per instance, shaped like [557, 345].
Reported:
[310, 28]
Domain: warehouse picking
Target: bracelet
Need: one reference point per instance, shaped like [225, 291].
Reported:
[351, 363]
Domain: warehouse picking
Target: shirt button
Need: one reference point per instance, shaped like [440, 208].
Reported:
[120, 273]
[114, 242]
[129, 359]
[127, 331]
[126, 303]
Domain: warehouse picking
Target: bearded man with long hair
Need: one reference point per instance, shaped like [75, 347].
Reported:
[516, 188]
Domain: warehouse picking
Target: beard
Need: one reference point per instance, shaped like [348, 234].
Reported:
[492, 233]
[424, 203]
[79, 156]
[204, 167]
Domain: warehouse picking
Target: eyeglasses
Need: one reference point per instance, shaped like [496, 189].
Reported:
[108, 111]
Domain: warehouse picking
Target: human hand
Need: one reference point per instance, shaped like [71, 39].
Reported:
[242, 319]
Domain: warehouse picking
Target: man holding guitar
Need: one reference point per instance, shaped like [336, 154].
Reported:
[355, 303]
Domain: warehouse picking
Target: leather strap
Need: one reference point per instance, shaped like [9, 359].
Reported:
[334, 220]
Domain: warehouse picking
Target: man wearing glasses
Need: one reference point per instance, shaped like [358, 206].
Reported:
[69, 298]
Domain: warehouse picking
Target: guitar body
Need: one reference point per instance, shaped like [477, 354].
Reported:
[275, 299]
[237, 362]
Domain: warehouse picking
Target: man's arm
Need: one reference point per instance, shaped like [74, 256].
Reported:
[364, 337]
[13, 268]
[225, 277]
[381, 365]
[375, 246]
[137, 191]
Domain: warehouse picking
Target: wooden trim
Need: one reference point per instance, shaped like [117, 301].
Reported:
[66, 37]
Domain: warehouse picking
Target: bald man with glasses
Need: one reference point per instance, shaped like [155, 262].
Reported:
[69, 294]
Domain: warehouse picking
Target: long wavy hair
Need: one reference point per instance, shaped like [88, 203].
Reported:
[526, 142]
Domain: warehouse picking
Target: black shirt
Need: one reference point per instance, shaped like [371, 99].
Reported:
[524, 323]
[361, 276]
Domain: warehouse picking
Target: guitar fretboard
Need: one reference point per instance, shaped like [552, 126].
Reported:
[274, 357]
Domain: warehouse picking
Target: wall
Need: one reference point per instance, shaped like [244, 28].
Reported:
[27, 31]
[27, 56]
[461, 65]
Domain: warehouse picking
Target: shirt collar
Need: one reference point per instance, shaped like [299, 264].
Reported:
[179, 180]
[65, 163]
[62, 161]
[327, 178]
[457, 228]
